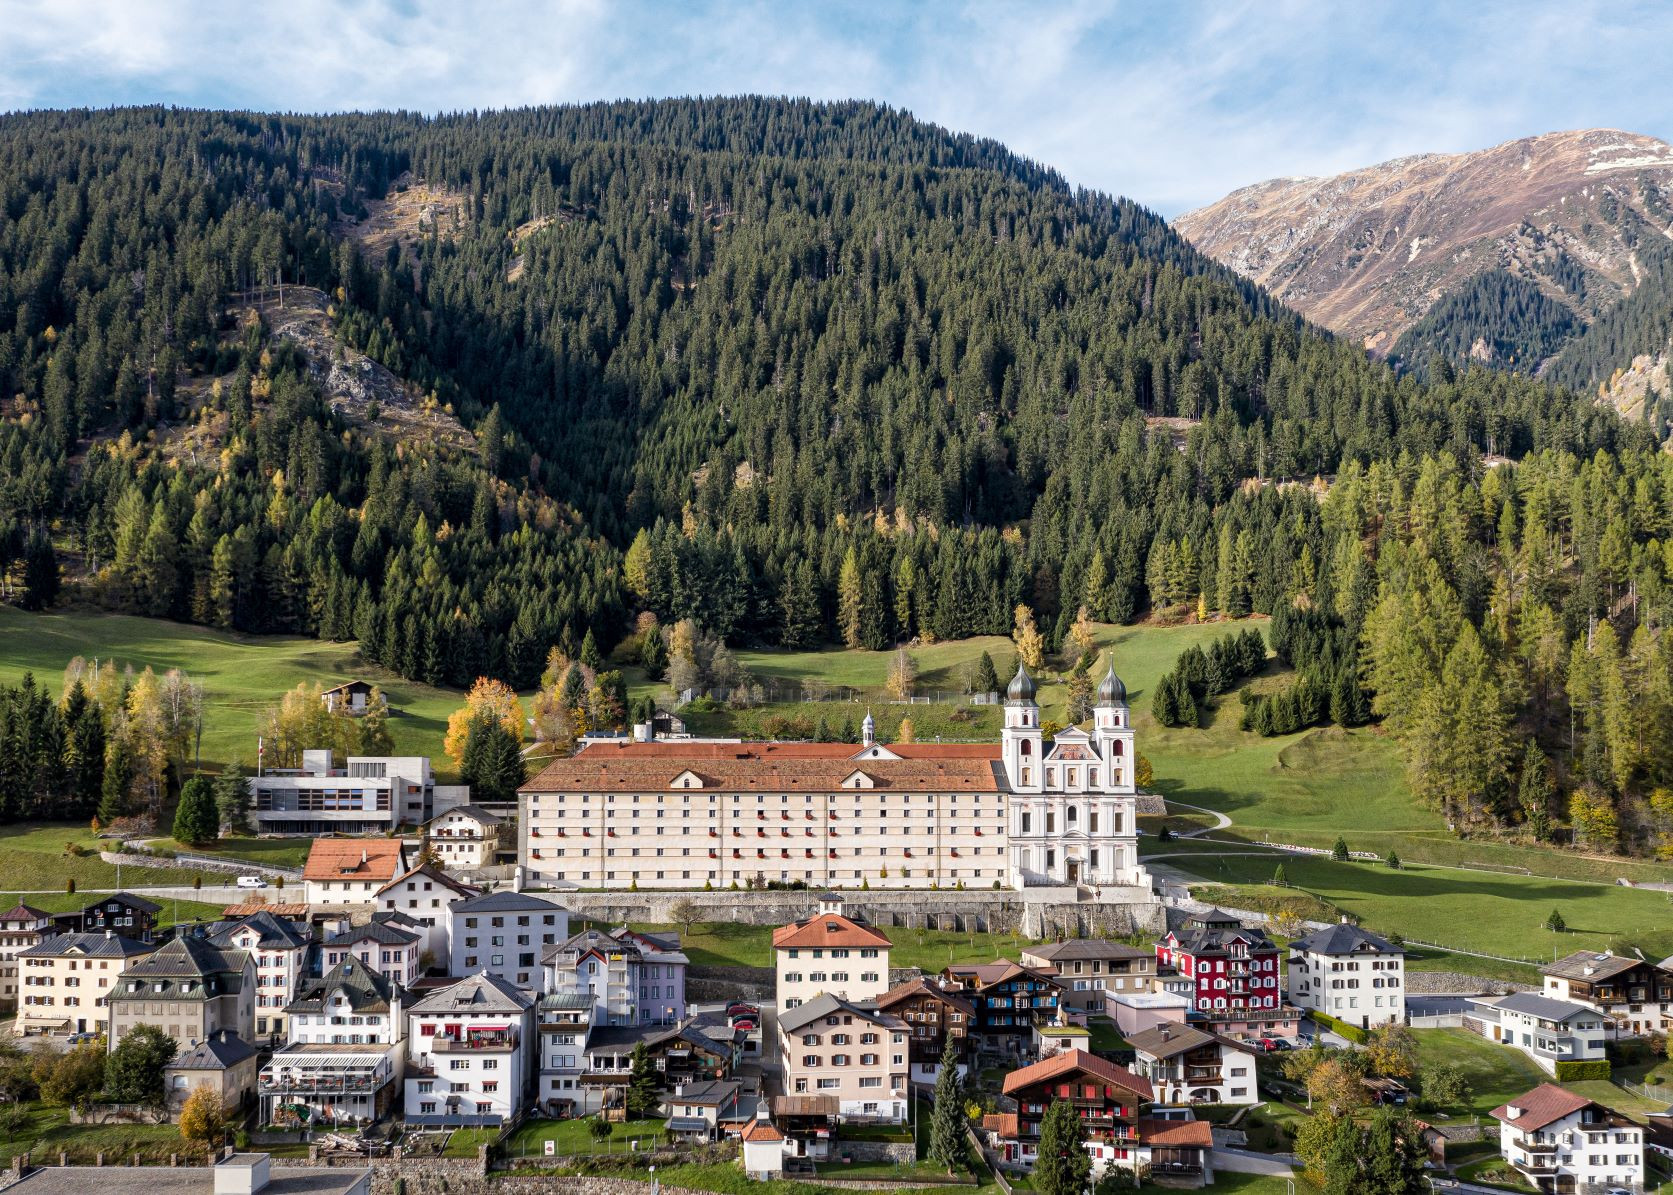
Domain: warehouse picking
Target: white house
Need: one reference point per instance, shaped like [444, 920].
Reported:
[632, 979]
[426, 894]
[850, 1052]
[563, 1027]
[464, 836]
[1562, 1142]
[504, 934]
[1546, 1030]
[470, 1051]
[346, 1051]
[351, 871]
[1187, 1065]
[1350, 974]
[390, 944]
[280, 951]
[763, 1149]
[829, 953]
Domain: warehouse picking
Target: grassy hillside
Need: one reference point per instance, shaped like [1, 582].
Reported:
[241, 674]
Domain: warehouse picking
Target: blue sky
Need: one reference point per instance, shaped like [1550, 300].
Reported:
[1171, 103]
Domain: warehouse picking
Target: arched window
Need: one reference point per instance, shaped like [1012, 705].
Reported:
[1074, 815]
[1027, 748]
[1025, 779]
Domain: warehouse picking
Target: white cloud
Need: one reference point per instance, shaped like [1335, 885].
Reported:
[1171, 104]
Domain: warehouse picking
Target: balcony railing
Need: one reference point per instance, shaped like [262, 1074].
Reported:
[476, 1041]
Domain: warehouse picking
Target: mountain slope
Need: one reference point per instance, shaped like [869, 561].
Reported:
[1582, 216]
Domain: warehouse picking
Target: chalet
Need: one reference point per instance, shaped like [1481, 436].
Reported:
[350, 697]
[122, 913]
[464, 836]
[1187, 1065]
[1009, 1000]
[707, 1109]
[933, 1015]
[1090, 967]
[351, 871]
[684, 1053]
[1636, 996]
[1106, 1097]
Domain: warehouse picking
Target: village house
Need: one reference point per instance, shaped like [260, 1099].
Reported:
[66, 979]
[469, 1052]
[829, 953]
[390, 944]
[1636, 996]
[372, 794]
[1187, 1066]
[346, 1054]
[425, 894]
[351, 871]
[630, 979]
[1232, 968]
[849, 1052]
[563, 1023]
[223, 1062]
[464, 836]
[1009, 999]
[1546, 1030]
[763, 1150]
[504, 934]
[689, 1052]
[21, 927]
[280, 950]
[188, 988]
[705, 1110]
[1563, 1143]
[122, 913]
[351, 697]
[932, 1015]
[1350, 974]
[1090, 967]
[1020, 813]
[1107, 1099]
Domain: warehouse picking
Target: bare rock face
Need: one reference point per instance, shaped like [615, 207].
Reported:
[1366, 253]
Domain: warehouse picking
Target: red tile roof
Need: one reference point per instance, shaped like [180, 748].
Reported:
[289, 911]
[1154, 1131]
[1541, 1106]
[827, 929]
[1078, 1062]
[353, 859]
[1002, 1123]
[762, 1130]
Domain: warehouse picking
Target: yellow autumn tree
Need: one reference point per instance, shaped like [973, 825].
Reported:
[907, 733]
[203, 1119]
[903, 675]
[497, 700]
[1082, 646]
[1031, 645]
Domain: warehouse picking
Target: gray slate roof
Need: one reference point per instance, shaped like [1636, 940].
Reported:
[276, 933]
[1087, 949]
[506, 902]
[217, 1053]
[92, 945]
[378, 931]
[1343, 938]
[823, 1005]
[481, 992]
[367, 990]
[1543, 1007]
[187, 956]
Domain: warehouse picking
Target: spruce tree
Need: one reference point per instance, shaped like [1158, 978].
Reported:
[118, 775]
[947, 1124]
[1339, 852]
[987, 677]
[1062, 1165]
[196, 818]
[644, 1090]
[590, 657]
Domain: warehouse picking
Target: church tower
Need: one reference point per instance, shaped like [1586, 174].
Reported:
[1021, 740]
[1112, 732]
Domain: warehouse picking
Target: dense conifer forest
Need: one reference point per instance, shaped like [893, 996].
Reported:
[799, 373]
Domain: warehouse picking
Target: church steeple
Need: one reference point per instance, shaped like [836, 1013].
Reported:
[1021, 739]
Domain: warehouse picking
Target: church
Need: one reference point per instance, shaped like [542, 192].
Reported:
[1024, 813]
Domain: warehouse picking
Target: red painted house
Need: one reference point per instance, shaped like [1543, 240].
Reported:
[1231, 968]
[1105, 1096]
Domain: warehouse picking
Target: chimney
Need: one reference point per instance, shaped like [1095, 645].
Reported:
[1513, 1111]
[109, 933]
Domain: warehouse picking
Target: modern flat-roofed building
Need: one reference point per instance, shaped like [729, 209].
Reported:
[1546, 1030]
[1018, 813]
[239, 1174]
[370, 794]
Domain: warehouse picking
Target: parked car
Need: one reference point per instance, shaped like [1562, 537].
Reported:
[742, 1008]
[1262, 1045]
[1278, 1043]
[251, 882]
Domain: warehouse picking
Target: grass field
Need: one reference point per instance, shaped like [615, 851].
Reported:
[48, 1130]
[33, 857]
[1492, 912]
[242, 674]
[1496, 1073]
[728, 944]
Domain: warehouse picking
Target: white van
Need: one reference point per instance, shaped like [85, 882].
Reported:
[251, 882]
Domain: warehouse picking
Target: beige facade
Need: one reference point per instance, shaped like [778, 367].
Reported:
[857, 1056]
[189, 989]
[829, 953]
[65, 981]
[21, 928]
[464, 837]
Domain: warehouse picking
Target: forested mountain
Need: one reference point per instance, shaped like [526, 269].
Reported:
[793, 371]
[1546, 254]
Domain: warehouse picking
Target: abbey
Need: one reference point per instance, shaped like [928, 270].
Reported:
[691, 814]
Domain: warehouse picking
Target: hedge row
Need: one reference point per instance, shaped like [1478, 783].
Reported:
[1352, 1032]
[1570, 1070]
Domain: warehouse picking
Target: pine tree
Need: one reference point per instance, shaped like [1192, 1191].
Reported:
[118, 775]
[849, 600]
[947, 1124]
[589, 652]
[644, 1092]
[232, 798]
[1555, 922]
[1339, 852]
[196, 818]
[987, 677]
[1533, 791]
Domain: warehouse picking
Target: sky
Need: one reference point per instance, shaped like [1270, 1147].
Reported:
[1171, 103]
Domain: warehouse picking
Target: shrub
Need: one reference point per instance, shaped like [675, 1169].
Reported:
[1352, 1032]
[1571, 1070]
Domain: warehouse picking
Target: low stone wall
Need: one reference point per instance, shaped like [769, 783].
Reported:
[1446, 983]
[875, 1151]
[706, 984]
[119, 1114]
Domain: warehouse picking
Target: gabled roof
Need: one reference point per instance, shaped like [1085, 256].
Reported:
[435, 874]
[332, 859]
[23, 912]
[93, 945]
[364, 987]
[1214, 933]
[187, 956]
[1165, 1041]
[137, 903]
[1544, 1105]
[1590, 966]
[506, 902]
[761, 1131]
[1088, 949]
[985, 975]
[1543, 1007]
[823, 1005]
[1157, 1131]
[1343, 938]
[216, 1053]
[380, 932]
[713, 1091]
[480, 816]
[1073, 1062]
[275, 933]
[828, 929]
[477, 993]
[288, 911]
[921, 986]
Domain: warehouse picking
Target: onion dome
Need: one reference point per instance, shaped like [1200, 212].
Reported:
[1111, 691]
[1021, 687]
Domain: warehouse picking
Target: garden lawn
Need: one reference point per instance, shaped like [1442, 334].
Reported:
[242, 674]
[728, 944]
[33, 857]
[727, 1178]
[572, 1136]
[271, 852]
[1497, 913]
[1496, 1073]
[49, 1131]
